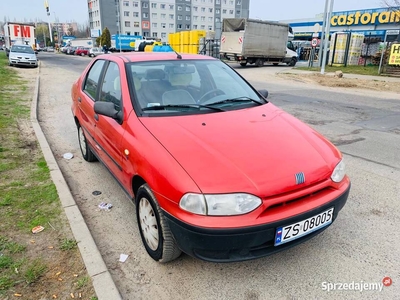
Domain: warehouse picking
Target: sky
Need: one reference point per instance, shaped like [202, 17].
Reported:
[76, 10]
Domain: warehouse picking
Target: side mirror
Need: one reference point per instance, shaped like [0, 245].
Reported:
[263, 93]
[107, 109]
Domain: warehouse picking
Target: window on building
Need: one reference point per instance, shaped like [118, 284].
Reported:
[163, 25]
[217, 1]
[171, 16]
[145, 4]
[187, 26]
[231, 11]
[195, 18]
[187, 8]
[171, 6]
[224, 11]
[210, 10]
[135, 14]
[163, 34]
[127, 32]
[136, 33]
[154, 15]
[210, 19]
[187, 18]
[179, 26]
[126, 13]
[171, 25]
[239, 2]
[145, 15]
[154, 5]
[154, 25]
[163, 16]
[194, 26]
[210, 27]
[217, 11]
[203, 18]
[179, 17]
[146, 33]
[136, 24]
[211, 1]
[127, 24]
[179, 7]
[238, 12]
[195, 8]
[203, 9]
[162, 6]
[126, 3]
[230, 2]
[135, 4]
[216, 20]
[202, 27]
[154, 34]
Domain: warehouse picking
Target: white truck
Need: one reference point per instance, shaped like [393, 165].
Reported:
[19, 33]
[249, 41]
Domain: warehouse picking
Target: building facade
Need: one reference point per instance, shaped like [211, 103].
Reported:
[158, 18]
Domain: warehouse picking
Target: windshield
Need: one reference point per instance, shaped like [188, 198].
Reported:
[22, 49]
[189, 86]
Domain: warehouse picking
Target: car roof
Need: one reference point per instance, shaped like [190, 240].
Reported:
[151, 56]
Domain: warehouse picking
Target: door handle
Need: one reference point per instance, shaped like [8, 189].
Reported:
[79, 99]
[96, 117]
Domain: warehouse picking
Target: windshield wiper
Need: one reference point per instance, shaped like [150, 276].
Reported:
[238, 99]
[163, 107]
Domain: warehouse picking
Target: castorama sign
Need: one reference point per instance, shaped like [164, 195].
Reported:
[365, 17]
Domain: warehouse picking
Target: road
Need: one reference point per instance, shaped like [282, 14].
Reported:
[360, 247]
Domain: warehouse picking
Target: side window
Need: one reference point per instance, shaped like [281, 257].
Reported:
[92, 80]
[111, 87]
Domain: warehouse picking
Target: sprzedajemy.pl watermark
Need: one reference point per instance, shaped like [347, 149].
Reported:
[356, 286]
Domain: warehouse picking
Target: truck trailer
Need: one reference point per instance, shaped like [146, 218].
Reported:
[19, 33]
[250, 41]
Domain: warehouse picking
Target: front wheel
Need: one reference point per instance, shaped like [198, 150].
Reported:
[83, 144]
[82, 54]
[154, 230]
[243, 64]
[292, 62]
[259, 62]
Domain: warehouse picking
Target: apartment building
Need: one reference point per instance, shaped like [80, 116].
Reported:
[158, 18]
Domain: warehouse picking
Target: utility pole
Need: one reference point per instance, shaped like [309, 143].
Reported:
[119, 24]
[327, 33]
[46, 5]
[321, 47]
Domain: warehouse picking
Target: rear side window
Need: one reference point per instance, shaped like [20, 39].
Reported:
[92, 79]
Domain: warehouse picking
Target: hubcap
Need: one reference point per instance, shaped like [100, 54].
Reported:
[82, 141]
[148, 223]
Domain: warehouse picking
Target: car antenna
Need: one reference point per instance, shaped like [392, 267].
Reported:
[178, 56]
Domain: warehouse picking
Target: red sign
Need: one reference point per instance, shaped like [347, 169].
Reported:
[223, 39]
[240, 39]
[22, 31]
[314, 42]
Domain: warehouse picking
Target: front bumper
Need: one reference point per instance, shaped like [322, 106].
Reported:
[23, 62]
[238, 244]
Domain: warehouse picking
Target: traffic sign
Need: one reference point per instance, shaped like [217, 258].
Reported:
[314, 42]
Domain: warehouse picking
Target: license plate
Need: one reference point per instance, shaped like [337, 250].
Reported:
[296, 230]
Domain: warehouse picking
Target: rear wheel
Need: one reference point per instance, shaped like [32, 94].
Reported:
[243, 64]
[259, 62]
[292, 62]
[82, 54]
[154, 230]
[83, 145]
[275, 64]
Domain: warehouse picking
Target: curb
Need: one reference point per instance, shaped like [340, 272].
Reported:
[103, 283]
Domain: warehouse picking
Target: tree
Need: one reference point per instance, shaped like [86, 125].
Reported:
[106, 38]
[98, 41]
[42, 33]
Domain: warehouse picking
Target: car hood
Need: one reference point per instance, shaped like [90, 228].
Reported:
[257, 150]
[23, 55]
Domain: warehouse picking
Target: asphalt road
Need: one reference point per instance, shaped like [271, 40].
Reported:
[361, 247]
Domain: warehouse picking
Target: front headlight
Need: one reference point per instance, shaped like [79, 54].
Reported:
[220, 204]
[339, 172]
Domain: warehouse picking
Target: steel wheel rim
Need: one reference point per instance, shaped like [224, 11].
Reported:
[82, 141]
[148, 224]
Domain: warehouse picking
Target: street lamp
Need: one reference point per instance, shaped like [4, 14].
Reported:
[327, 33]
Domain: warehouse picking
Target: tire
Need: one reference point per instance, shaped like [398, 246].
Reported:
[87, 154]
[82, 54]
[259, 62]
[275, 64]
[292, 62]
[243, 64]
[154, 231]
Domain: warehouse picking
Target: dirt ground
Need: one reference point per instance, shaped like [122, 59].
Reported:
[66, 276]
[344, 82]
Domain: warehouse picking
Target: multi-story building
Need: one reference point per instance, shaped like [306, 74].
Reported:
[158, 18]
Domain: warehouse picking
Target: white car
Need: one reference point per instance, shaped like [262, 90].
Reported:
[22, 55]
[95, 52]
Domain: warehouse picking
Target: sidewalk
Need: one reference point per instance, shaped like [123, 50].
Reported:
[345, 75]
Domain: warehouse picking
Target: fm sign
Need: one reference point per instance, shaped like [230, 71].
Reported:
[22, 31]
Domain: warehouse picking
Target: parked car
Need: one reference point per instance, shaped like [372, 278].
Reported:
[22, 55]
[71, 50]
[215, 170]
[50, 49]
[95, 51]
[82, 51]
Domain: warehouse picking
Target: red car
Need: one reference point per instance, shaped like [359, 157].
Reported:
[215, 170]
[82, 51]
